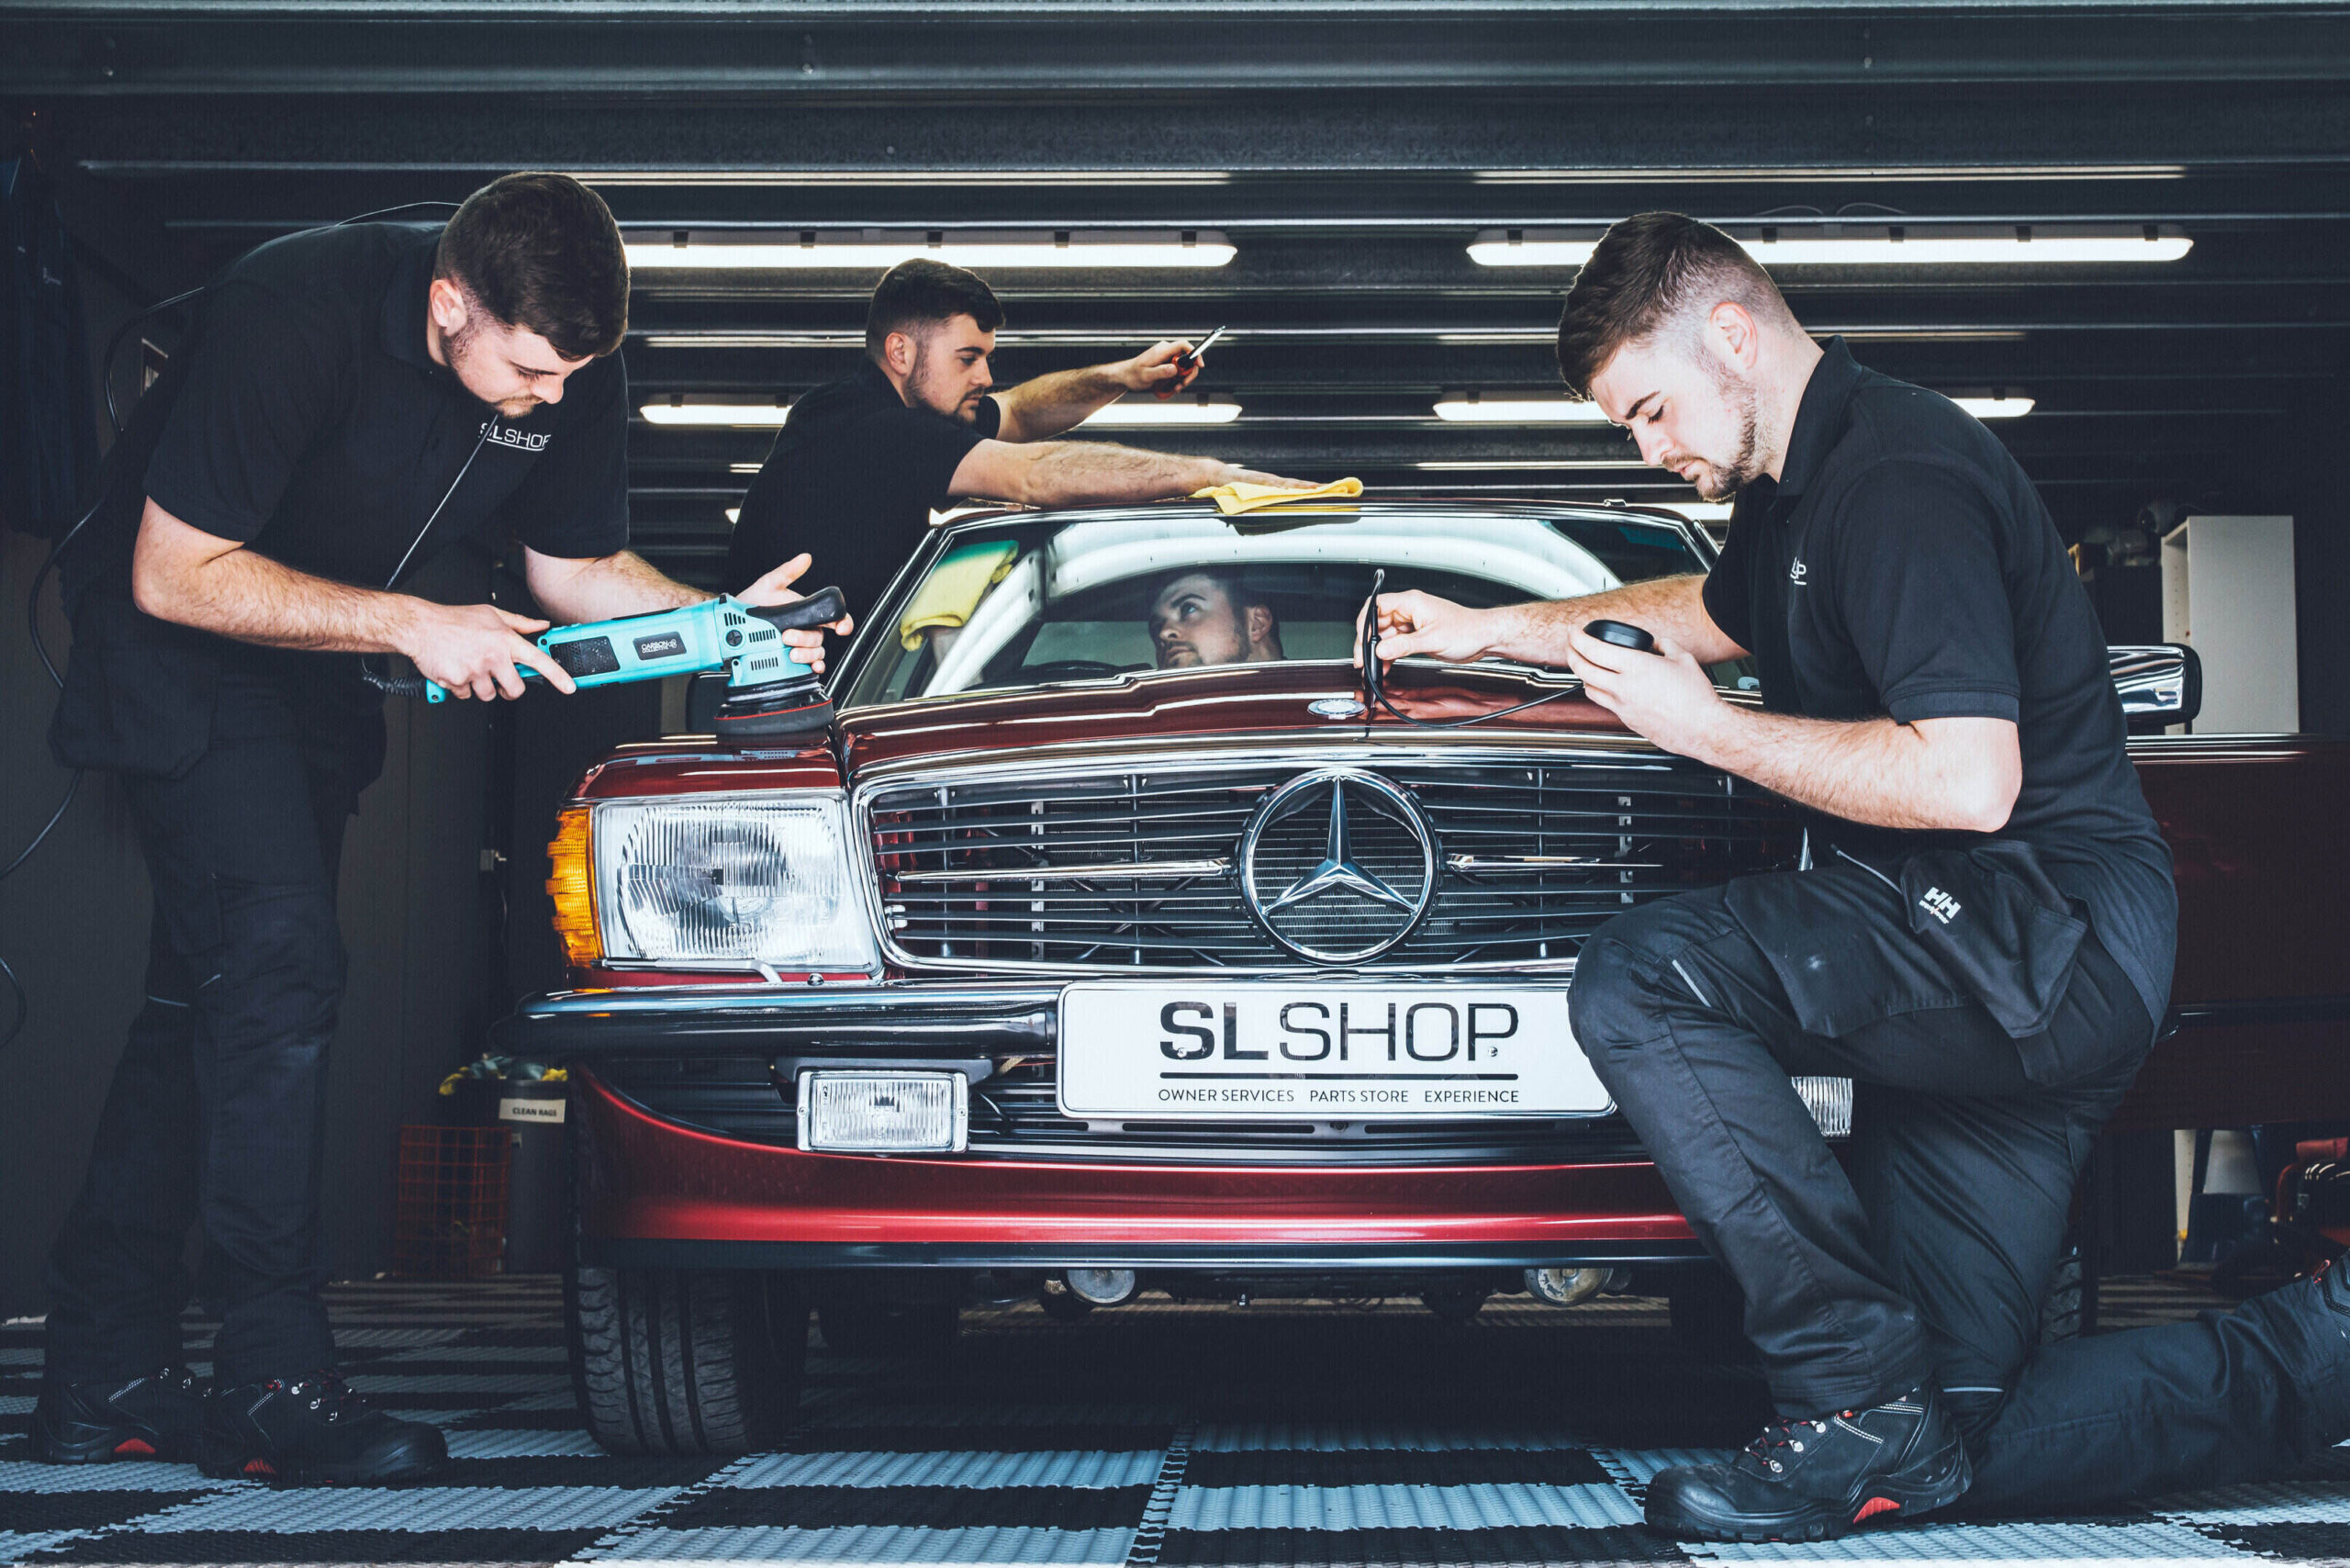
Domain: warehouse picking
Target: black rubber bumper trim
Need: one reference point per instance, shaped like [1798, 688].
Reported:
[640, 1252]
[914, 1020]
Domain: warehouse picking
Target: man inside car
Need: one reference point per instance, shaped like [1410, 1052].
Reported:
[1982, 937]
[863, 461]
[1209, 618]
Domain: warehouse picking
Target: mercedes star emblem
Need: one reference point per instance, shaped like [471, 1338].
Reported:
[1345, 883]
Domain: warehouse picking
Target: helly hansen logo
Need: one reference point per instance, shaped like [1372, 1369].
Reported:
[1798, 572]
[1940, 904]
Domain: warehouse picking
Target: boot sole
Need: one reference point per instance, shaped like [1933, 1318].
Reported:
[106, 1449]
[1910, 1497]
[229, 1461]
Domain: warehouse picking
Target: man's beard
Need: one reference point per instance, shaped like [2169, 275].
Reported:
[918, 382]
[457, 347]
[1725, 480]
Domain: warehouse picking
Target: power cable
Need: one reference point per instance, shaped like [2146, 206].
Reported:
[1374, 683]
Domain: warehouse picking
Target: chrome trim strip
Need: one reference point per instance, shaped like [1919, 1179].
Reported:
[1132, 872]
[1302, 748]
[794, 1001]
[975, 1019]
[1535, 862]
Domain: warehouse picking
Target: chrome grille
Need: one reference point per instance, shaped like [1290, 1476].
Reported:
[1134, 865]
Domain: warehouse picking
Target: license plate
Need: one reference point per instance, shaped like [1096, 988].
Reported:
[1334, 1053]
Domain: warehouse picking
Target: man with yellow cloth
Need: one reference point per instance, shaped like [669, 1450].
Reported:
[863, 461]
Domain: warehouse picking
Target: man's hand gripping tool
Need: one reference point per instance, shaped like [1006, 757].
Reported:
[769, 690]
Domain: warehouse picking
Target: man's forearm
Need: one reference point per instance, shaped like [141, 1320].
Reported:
[250, 598]
[1672, 607]
[1869, 770]
[1065, 472]
[605, 587]
[1037, 410]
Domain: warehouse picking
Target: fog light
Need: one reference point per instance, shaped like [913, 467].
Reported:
[1103, 1287]
[1830, 1100]
[884, 1113]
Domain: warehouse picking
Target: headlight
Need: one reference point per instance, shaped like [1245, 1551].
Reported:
[1830, 1100]
[731, 882]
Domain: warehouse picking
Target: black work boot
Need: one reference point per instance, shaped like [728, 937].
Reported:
[1814, 1479]
[313, 1432]
[152, 1416]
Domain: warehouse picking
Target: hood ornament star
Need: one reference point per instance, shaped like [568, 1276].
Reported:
[1337, 869]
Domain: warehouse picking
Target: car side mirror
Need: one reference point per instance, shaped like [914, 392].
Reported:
[2160, 684]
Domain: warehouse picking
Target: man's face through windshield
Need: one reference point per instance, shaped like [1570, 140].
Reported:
[1204, 618]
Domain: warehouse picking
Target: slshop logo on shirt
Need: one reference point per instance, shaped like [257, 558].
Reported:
[1798, 572]
[495, 434]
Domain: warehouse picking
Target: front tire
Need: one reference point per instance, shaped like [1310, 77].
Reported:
[685, 1360]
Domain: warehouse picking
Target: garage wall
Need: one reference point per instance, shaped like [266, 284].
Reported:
[2309, 461]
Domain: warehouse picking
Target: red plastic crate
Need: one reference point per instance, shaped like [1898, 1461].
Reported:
[449, 1220]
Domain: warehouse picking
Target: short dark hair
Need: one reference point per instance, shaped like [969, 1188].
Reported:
[1645, 271]
[1237, 593]
[540, 252]
[922, 291]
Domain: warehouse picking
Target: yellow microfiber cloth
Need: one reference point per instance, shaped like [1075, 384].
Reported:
[1234, 499]
[955, 587]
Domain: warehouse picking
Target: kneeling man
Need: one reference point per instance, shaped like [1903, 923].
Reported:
[1981, 936]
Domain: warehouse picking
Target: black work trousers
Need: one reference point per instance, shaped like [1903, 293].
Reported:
[215, 1117]
[1930, 1259]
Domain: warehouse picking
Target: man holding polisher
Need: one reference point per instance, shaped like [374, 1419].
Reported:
[1981, 936]
[352, 402]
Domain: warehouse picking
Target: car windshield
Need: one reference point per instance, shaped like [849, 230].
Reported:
[1031, 600]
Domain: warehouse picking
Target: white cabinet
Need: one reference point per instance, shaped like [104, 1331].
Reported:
[2228, 594]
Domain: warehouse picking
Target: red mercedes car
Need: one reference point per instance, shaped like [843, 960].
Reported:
[1110, 942]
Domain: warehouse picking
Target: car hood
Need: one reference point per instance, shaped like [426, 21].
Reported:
[1242, 701]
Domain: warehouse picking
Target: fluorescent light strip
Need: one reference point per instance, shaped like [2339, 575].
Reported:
[1920, 172]
[738, 416]
[870, 248]
[927, 177]
[1129, 411]
[1891, 245]
[745, 468]
[854, 337]
[1474, 409]
[1996, 408]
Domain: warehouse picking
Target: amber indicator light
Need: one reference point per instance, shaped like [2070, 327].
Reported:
[572, 887]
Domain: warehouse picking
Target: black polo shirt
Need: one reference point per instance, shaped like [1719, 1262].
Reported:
[305, 419]
[1903, 564]
[852, 479]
